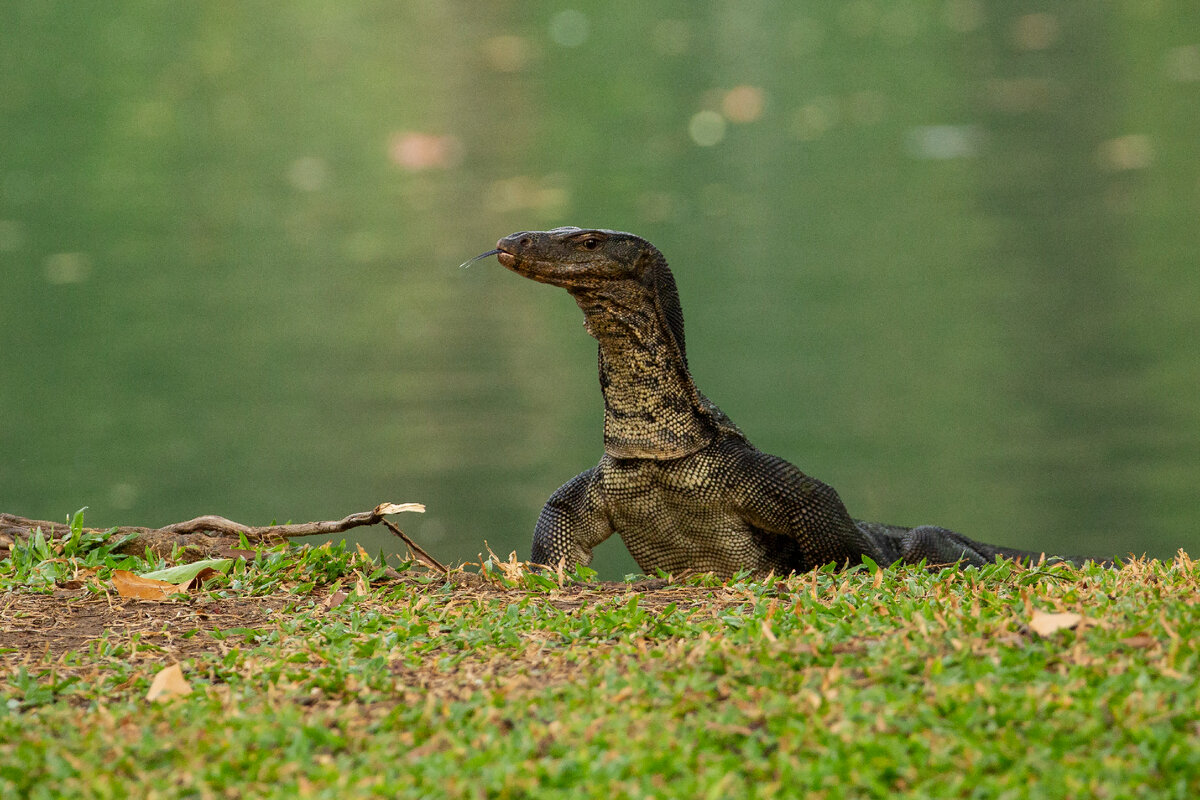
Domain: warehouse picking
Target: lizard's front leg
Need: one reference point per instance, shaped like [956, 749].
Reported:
[571, 523]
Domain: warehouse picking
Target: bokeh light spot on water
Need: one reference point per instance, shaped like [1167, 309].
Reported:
[813, 119]
[507, 53]
[569, 28]
[1021, 95]
[123, 496]
[215, 56]
[943, 142]
[1133, 151]
[62, 268]
[12, 235]
[415, 151]
[655, 207]
[547, 195]
[743, 104]
[672, 37]
[706, 128]
[364, 247]
[308, 173]
[1182, 64]
[1036, 31]
[964, 16]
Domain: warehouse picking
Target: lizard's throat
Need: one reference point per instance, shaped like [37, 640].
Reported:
[651, 406]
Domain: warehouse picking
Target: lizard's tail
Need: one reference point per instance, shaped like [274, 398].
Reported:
[937, 545]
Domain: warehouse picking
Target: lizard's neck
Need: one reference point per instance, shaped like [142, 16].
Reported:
[652, 408]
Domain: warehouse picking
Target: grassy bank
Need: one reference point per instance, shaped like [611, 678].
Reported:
[320, 673]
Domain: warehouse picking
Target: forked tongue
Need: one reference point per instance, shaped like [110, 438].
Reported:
[471, 261]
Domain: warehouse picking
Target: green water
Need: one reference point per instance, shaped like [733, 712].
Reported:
[942, 255]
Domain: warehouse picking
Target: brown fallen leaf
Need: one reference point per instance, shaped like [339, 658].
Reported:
[168, 684]
[129, 585]
[199, 579]
[226, 551]
[1044, 624]
[1139, 640]
[84, 573]
[334, 600]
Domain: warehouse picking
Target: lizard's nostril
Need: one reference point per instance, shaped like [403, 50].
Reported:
[525, 241]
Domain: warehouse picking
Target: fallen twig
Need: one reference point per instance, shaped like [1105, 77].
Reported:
[216, 536]
[421, 555]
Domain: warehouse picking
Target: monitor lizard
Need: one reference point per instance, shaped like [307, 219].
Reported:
[679, 481]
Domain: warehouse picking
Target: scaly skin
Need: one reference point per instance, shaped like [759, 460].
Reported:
[678, 481]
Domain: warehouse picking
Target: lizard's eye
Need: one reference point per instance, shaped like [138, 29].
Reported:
[591, 244]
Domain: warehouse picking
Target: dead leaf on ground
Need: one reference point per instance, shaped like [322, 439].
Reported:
[129, 585]
[168, 684]
[226, 551]
[1139, 641]
[334, 600]
[199, 579]
[1044, 624]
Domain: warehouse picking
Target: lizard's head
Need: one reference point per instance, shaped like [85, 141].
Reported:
[578, 258]
[599, 267]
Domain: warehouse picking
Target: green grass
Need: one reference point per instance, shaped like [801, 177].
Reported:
[499, 683]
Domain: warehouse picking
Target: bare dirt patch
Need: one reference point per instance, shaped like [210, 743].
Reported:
[42, 628]
[46, 626]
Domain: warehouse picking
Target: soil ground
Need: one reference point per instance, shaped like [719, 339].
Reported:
[40, 629]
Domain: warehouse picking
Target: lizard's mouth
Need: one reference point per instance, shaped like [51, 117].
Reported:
[506, 259]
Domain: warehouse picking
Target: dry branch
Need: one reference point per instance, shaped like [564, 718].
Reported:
[416, 549]
[211, 536]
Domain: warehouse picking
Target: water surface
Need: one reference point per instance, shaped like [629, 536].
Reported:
[940, 255]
